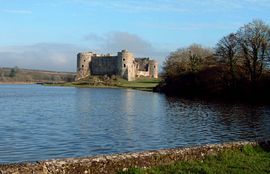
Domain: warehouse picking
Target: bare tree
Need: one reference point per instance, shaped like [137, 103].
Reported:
[196, 56]
[192, 58]
[175, 63]
[226, 50]
[254, 43]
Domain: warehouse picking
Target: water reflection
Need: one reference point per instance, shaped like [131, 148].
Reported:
[244, 121]
[217, 121]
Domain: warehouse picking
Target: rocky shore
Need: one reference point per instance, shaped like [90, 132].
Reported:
[108, 164]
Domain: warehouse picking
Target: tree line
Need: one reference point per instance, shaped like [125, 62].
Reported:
[239, 61]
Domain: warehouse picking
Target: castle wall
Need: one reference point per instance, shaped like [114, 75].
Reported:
[153, 69]
[123, 65]
[126, 65]
[83, 68]
[104, 65]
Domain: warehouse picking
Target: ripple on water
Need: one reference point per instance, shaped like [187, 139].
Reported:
[38, 122]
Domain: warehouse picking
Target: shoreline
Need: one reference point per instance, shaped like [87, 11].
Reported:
[17, 83]
[121, 162]
[141, 84]
[102, 86]
[24, 83]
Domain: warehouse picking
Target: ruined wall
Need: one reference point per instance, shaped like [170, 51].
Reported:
[153, 69]
[142, 74]
[142, 64]
[104, 65]
[146, 68]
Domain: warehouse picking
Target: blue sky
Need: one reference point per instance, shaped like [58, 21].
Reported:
[47, 34]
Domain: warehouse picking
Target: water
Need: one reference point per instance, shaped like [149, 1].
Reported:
[38, 122]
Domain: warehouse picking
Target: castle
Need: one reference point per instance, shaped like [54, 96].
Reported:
[123, 64]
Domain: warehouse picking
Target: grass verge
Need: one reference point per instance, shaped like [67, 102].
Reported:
[250, 160]
[143, 84]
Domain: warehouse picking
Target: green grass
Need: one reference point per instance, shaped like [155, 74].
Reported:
[249, 160]
[144, 84]
[139, 84]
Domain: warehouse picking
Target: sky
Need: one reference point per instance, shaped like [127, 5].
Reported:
[48, 34]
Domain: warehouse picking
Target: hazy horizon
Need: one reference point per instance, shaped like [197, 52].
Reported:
[47, 35]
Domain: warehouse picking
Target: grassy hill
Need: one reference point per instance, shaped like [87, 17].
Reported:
[18, 75]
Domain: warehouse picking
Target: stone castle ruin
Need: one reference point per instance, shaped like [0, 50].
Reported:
[123, 64]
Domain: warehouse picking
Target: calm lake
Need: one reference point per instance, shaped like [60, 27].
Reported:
[39, 122]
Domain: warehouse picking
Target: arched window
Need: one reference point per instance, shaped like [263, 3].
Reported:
[124, 65]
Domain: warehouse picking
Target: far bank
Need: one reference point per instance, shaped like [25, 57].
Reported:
[144, 84]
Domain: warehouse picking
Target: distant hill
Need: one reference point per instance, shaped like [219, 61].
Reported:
[18, 75]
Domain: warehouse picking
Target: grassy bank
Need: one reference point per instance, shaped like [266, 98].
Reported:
[144, 84]
[28, 76]
[234, 157]
[245, 160]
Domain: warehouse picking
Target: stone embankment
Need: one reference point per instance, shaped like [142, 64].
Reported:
[120, 162]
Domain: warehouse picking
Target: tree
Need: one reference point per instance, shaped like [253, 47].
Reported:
[191, 59]
[175, 63]
[254, 44]
[13, 72]
[227, 51]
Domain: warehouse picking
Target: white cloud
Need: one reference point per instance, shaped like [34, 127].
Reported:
[93, 37]
[114, 42]
[47, 56]
[17, 11]
[62, 57]
[178, 6]
[191, 26]
[132, 6]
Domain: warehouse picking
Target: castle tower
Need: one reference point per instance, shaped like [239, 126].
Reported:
[153, 69]
[126, 65]
[83, 64]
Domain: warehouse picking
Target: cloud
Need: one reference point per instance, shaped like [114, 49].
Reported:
[62, 57]
[227, 5]
[133, 6]
[17, 11]
[46, 56]
[116, 41]
[148, 6]
[175, 6]
[191, 26]
[120, 40]
[93, 37]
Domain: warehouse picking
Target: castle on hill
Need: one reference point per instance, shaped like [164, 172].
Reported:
[123, 64]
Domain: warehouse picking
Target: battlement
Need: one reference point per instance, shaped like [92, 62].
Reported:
[123, 64]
